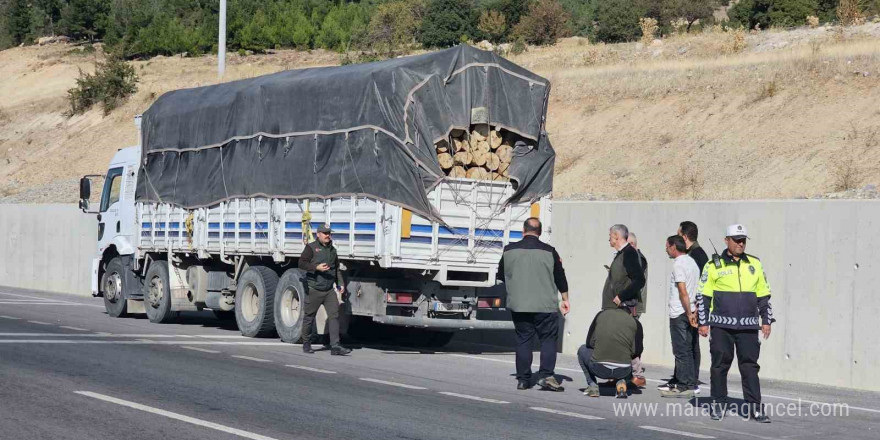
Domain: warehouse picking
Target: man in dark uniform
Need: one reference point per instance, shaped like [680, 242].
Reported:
[735, 302]
[324, 279]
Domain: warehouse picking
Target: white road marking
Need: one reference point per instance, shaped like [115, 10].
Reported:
[674, 431]
[40, 303]
[73, 328]
[566, 413]
[175, 416]
[394, 384]
[730, 431]
[203, 350]
[791, 399]
[316, 370]
[8, 317]
[40, 322]
[109, 335]
[123, 342]
[469, 397]
[250, 358]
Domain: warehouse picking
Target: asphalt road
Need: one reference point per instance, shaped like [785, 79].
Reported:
[68, 371]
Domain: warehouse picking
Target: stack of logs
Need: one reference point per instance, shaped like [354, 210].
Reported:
[482, 154]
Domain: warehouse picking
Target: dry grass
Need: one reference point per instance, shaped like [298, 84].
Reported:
[649, 29]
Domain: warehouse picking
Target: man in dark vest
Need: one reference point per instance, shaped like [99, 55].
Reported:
[625, 275]
[324, 280]
[533, 274]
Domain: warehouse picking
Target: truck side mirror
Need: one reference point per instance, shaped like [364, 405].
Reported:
[85, 189]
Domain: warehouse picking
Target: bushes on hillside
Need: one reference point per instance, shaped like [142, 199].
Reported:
[546, 22]
[618, 20]
[767, 13]
[493, 25]
[114, 80]
[448, 22]
[394, 25]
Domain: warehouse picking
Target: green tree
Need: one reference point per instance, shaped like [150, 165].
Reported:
[344, 26]
[446, 22]
[17, 18]
[546, 22]
[618, 20]
[766, 13]
[393, 26]
[85, 19]
[689, 10]
[582, 13]
[493, 24]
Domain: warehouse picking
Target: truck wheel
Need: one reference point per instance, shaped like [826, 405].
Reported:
[113, 288]
[289, 306]
[157, 293]
[254, 302]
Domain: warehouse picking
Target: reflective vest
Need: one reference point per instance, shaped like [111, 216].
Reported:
[735, 295]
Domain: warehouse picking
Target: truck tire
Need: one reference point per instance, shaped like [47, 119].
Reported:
[157, 293]
[290, 296]
[254, 302]
[113, 288]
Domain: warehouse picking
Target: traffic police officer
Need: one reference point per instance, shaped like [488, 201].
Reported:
[735, 303]
[324, 280]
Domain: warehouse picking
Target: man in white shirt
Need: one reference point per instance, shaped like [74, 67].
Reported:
[683, 284]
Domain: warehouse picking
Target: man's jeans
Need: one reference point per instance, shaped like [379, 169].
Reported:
[686, 349]
[593, 369]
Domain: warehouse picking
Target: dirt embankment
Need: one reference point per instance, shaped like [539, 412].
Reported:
[717, 115]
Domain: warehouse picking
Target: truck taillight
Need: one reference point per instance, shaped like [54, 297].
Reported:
[399, 298]
[488, 303]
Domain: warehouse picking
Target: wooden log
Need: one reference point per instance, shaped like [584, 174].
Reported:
[458, 172]
[478, 173]
[495, 139]
[483, 147]
[463, 158]
[502, 166]
[506, 173]
[479, 158]
[445, 160]
[505, 153]
[493, 162]
[460, 145]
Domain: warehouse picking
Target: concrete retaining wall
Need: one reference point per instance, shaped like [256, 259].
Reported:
[47, 247]
[820, 258]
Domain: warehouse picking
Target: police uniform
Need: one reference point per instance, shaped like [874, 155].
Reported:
[735, 303]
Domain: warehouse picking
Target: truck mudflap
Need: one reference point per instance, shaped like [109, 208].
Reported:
[455, 324]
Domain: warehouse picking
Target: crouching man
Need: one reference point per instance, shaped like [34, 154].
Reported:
[613, 341]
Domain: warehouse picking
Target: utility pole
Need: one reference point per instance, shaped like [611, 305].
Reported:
[221, 43]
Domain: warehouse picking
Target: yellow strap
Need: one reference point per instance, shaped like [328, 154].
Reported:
[308, 235]
[536, 210]
[405, 223]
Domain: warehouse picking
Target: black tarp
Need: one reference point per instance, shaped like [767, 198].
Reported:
[362, 129]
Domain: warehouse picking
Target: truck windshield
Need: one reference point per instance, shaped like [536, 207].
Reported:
[112, 187]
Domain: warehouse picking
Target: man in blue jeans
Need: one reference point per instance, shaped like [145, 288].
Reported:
[532, 273]
[682, 304]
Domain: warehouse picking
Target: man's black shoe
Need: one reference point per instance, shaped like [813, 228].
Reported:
[307, 348]
[759, 416]
[339, 350]
[716, 412]
[523, 385]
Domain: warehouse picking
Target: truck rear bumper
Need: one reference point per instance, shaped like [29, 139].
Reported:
[451, 324]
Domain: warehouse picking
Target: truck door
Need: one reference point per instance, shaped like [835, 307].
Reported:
[109, 219]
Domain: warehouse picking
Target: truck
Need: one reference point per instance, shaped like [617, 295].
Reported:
[212, 208]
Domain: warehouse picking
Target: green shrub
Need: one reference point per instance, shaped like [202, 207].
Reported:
[546, 22]
[393, 26]
[344, 26]
[114, 80]
[446, 21]
[767, 13]
[618, 20]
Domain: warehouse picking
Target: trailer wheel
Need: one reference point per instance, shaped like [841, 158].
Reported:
[290, 300]
[254, 302]
[157, 293]
[113, 288]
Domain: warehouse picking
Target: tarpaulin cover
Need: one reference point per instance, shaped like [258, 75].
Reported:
[362, 129]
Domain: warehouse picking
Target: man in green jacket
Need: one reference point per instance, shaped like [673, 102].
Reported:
[615, 338]
[532, 273]
[324, 281]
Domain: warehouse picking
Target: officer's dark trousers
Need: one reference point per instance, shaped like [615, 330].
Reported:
[527, 326]
[314, 301]
[726, 342]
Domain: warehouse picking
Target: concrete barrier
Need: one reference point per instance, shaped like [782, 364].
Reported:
[47, 247]
[820, 257]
